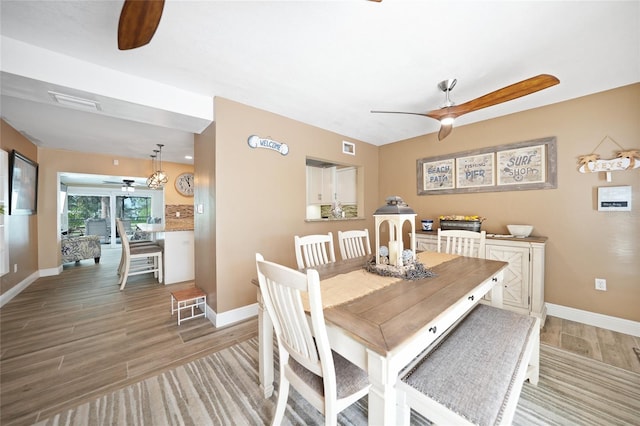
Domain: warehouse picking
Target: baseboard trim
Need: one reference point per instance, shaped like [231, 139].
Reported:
[620, 325]
[51, 271]
[16, 289]
[232, 316]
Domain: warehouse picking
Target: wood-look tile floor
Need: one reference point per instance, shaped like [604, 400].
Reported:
[70, 338]
[597, 343]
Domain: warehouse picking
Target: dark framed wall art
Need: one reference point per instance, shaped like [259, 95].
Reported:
[512, 167]
[23, 185]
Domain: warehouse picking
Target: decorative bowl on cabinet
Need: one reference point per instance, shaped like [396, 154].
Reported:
[521, 231]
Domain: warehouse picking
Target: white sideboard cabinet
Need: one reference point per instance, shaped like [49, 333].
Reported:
[523, 278]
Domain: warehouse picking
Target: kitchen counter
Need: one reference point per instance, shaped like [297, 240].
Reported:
[170, 227]
[179, 255]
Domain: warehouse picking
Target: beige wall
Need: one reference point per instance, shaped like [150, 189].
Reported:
[254, 199]
[204, 148]
[583, 243]
[22, 230]
[260, 195]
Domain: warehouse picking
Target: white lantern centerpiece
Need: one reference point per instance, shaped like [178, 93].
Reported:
[394, 214]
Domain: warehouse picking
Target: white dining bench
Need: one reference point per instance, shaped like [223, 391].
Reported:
[475, 375]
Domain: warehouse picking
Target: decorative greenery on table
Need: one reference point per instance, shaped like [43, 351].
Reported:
[413, 270]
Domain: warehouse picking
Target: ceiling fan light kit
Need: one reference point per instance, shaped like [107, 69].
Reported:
[450, 111]
[127, 185]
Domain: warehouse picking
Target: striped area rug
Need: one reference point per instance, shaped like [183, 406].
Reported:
[222, 389]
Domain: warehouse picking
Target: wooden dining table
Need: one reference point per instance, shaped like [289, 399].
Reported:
[383, 330]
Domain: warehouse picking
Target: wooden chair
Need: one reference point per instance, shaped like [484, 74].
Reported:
[324, 378]
[354, 243]
[313, 250]
[464, 243]
[126, 228]
[133, 244]
[142, 259]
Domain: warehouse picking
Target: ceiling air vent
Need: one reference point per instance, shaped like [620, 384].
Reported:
[74, 101]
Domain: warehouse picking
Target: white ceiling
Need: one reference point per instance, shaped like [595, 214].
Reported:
[323, 63]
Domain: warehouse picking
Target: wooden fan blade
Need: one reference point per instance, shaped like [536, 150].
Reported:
[445, 130]
[508, 93]
[400, 112]
[139, 20]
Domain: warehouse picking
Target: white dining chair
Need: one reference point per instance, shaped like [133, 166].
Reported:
[323, 377]
[464, 243]
[354, 243]
[142, 259]
[314, 250]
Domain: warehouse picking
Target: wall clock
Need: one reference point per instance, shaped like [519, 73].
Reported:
[185, 184]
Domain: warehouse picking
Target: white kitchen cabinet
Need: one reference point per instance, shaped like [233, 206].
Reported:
[346, 185]
[524, 277]
[320, 185]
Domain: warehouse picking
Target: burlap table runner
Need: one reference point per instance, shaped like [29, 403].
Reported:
[355, 284]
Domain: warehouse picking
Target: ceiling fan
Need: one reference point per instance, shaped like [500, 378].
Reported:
[127, 184]
[139, 20]
[450, 111]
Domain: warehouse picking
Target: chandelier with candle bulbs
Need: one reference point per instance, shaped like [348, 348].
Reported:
[158, 178]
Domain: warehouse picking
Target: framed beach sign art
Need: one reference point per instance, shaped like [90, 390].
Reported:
[475, 170]
[522, 165]
[438, 175]
[512, 167]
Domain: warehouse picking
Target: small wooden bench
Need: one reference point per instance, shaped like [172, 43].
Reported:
[476, 374]
[190, 298]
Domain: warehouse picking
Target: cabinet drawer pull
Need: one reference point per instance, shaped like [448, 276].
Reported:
[494, 279]
[472, 297]
[433, 329]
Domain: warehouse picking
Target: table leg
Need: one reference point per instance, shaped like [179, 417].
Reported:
[265, 339]
[404, 411]
[382, 394]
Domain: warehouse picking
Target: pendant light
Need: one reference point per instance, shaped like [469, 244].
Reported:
[151, 181]
[161, 175]
[158, 178]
